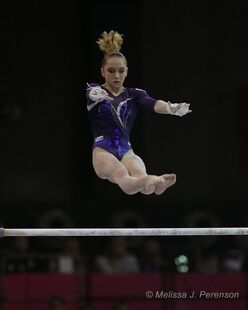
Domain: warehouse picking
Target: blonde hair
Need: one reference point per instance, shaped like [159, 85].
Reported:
[110, 44]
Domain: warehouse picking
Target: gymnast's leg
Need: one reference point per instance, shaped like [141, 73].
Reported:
[137, 168]
[107, 166]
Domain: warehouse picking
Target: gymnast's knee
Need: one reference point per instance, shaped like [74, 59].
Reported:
[127, 189]
[101, 174]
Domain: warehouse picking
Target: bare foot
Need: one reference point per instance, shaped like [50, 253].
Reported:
[151, 183]
[168, 180]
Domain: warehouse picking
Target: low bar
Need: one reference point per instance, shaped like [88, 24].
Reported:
[107, 232]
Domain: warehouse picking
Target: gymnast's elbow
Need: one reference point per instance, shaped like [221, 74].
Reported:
[161, 107]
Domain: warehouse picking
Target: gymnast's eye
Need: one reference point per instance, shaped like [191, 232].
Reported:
[122, 70]
[111, 70]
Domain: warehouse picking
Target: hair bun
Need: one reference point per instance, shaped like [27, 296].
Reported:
[110, 42]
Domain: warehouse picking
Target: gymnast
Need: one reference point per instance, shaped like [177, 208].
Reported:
[112, 110]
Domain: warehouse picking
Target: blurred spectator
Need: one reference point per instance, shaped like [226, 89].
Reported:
[20, 246]
[117, 259]
[17, 258]
[152, 259]
[241, 243]
[232, 261]
[86, 306]
[71, 260]
[206, 260]
[122, 306]
[57, 303]
[233, 254]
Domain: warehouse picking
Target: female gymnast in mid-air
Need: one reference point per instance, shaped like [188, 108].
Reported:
[112, 111]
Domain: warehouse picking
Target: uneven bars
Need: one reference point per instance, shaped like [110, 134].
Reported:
[107, 232]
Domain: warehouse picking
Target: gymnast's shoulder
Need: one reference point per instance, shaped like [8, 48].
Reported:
[91, 85]
[137, 92]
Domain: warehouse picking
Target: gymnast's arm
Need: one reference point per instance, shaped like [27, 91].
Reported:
[178, 109]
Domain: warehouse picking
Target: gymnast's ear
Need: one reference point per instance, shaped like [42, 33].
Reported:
[102, 72]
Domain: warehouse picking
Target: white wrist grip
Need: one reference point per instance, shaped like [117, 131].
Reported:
[97, 94]
[178, 109]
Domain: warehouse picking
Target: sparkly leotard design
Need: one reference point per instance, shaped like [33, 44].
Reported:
[112, 120]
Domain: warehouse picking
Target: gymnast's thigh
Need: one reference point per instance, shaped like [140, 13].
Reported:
[106, 164]
[134, 164]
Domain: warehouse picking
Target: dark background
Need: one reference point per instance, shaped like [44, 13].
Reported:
[194, 51]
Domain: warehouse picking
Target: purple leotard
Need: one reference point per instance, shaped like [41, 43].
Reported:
[112, 120]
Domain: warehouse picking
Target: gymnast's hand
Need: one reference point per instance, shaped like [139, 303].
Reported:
[179, 109]
[98, 94]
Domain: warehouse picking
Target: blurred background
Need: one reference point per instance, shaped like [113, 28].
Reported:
[193, 51]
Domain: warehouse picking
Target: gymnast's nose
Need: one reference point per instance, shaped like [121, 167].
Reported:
[117, 76]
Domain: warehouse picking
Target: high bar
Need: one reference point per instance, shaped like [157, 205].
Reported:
[107, 232]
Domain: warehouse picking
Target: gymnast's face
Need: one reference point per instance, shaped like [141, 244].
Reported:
[114, 72]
